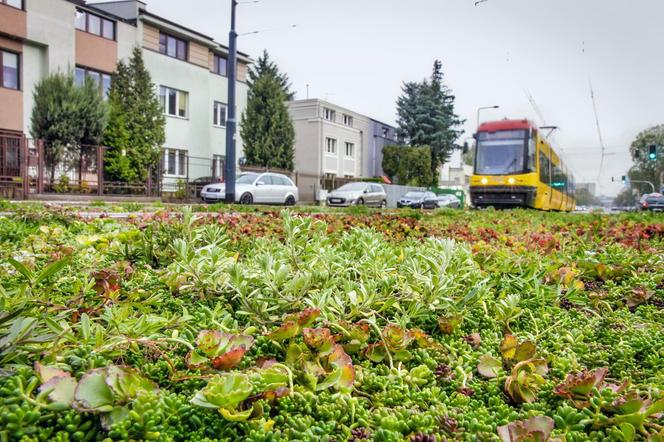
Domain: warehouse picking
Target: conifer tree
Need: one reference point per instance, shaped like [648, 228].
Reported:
[267, 129]
[426, 117]
[135, 133]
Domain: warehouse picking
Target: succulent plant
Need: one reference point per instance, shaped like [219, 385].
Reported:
[534, 429]
[525, 380]
[579, 387]
[225, 392]
[221, 351]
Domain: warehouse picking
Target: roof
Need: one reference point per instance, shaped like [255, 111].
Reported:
[494, 126]
[144, 12]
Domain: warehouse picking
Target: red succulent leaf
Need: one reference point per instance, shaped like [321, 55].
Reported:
[265, 362]
[318, 338]
[340, 360]
[287, 330]
[229, 359]
[580, 385]
[447, 324]
[308, 316]
[422, 339]
[273, 395]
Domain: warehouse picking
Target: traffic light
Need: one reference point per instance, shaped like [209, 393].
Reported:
[652, 152]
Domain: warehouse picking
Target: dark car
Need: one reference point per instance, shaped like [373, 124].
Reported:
[415, 199]
[653, 202]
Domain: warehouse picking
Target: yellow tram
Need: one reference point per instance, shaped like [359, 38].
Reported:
[515, 166]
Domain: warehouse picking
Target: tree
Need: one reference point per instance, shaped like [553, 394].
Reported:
[645, 169]
[408, 165]
[583, 197]
[135, 133]
[426, 117]
[66, 117]
[265, 66]
[267, 129]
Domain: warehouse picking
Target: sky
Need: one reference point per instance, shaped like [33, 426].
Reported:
[534, 58]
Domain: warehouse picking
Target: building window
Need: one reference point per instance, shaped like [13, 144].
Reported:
[173, 101]
[95, 24]
[350, 150]
[386, 132]
[220, 65]
[329, 114]
[219, 163]
[102, 79]
[348, 120]
[15, 3]
[10, 75]
[175, 162]
[172, 46]
[219, 114]
[331, 146]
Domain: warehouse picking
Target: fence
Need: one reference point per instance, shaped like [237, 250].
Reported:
[13, 165]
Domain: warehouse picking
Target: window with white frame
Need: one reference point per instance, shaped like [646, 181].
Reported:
[219, 114]
[348, 120]
[350, 150]
[329, 114]
[173, 101]
[175, 162]
[218, 161]
[330, 146]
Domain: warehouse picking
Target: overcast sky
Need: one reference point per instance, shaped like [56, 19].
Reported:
[357, 53]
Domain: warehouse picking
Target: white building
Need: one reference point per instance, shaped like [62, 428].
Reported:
[40, 37]
[332, 141]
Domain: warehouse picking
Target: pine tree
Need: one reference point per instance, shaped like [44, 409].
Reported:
[265, 66]
[426, 117]
[135, 132]
[267, 129]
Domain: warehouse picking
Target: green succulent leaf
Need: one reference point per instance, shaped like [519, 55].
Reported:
[92, 393]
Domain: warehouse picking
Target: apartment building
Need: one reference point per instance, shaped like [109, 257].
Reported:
[188, 68]
[332, 141]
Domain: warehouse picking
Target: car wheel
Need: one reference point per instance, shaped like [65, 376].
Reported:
[383, 204]
[246, 198]
[290, 201]
[360, 202]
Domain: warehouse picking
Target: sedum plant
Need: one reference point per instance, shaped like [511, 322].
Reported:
[221, 351]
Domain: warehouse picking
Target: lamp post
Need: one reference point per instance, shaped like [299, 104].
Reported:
[231, 122]
[481, 109]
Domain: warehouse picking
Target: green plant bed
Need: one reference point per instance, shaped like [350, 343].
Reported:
[274, 325]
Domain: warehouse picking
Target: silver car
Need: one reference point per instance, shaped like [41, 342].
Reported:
[255, 188]
[359, 194]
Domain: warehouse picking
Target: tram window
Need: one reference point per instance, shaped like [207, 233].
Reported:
[545, 174]
[532, 156]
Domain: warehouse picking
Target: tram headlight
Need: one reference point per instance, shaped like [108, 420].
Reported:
[511, 181]
[484, 181]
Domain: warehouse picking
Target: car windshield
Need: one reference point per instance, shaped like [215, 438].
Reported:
[351, 187]
[246, 178]
[414, 195]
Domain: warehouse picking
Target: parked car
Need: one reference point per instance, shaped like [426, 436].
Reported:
[255, 188]
[200, 182]
[370, 194]
[652, 201]
[415, 199]
[442, 201]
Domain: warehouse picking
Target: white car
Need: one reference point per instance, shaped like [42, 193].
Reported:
[255, 188]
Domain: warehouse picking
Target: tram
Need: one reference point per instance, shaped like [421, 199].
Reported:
[515, 166]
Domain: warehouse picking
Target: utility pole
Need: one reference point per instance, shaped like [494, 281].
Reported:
[231, 122]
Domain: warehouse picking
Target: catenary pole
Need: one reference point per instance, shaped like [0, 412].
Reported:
[231, 122]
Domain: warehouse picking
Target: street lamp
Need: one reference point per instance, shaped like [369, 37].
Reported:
[231, 122]
[481, 109]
